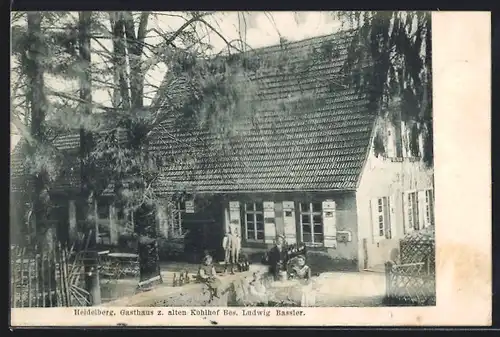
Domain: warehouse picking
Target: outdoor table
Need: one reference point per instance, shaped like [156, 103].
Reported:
[124, 255]
[122, 264]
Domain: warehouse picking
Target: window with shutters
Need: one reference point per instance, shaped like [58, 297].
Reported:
[429, 207]
[412, 211]
[311, 223]
[383, 228]
[254, 221]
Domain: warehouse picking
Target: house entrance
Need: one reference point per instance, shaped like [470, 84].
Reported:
[205, 232]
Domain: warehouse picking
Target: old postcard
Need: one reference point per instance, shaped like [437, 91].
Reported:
[250, 168]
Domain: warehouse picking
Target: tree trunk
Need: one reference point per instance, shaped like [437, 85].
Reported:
[145, 217]
[39, 195]
[145, 227]
[37, 102]
[121, 95]
[86, 144]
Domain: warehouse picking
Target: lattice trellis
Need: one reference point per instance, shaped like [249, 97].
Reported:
[419, 248]
[408, 285]
[413, 280]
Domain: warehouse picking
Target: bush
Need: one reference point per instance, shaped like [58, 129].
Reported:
[255, 257]
[172, 250]
[321, 262]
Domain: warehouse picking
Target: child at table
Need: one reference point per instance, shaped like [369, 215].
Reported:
[207, 275]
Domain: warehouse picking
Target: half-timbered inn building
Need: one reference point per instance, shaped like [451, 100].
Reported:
[305, 164]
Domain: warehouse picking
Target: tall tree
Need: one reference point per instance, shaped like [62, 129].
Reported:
[87, 202]
[38, 105]
[37, 145]
[129, 74]
[206, 93]
[145, 216]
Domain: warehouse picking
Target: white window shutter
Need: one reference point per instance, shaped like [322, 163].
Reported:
[234, 216]
[407, 213]
[392, 221]
[430, 204]
[329, 224]
[269, 222]
[163, 220]
[421, 209]
[404, 140]
[227, 220]
[391, 141]
[375, 224]
[289, 225]
[421, 143]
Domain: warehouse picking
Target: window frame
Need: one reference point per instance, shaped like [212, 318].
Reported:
[429, 206]
[254, 212]
[311, 213]
[414, 220]
[384, 218]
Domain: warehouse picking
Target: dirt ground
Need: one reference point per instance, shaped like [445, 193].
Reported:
[350, 289]
[115, 289]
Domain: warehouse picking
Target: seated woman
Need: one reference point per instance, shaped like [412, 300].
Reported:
[207, 275]
[300, 270]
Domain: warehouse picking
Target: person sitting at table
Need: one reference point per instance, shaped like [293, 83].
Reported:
[207, 275]
[278, 257]
[300, 270]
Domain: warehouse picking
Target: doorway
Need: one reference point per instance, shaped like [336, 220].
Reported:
[205, 231]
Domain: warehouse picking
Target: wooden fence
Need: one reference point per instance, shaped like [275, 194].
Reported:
[412, 281]
[42, 277]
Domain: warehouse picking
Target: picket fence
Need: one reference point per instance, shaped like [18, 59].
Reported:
[46, 277]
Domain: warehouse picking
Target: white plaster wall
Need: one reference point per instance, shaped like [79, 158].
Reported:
[382, 177]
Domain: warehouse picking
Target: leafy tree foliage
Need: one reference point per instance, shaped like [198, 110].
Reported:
[390, 57]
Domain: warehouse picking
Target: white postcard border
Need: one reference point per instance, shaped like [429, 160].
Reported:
[462, 110]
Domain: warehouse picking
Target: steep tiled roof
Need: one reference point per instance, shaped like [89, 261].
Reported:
[306, 130]
[66, 148]
[69, 175]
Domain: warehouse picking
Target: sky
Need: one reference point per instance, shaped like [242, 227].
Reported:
[259, 29]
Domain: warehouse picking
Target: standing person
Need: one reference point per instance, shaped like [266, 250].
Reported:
[278, 257]
[231, 244]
